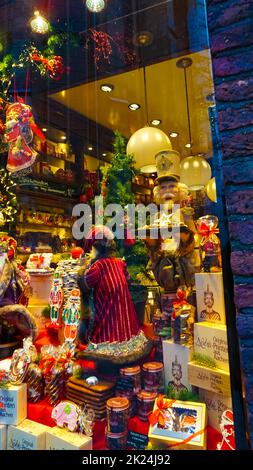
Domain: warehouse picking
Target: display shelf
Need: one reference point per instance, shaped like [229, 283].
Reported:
[46, 198]
[140, 189]
[53, 157]
[54, 179]
[36, 226]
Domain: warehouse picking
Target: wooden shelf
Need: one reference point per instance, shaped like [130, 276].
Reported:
[46, 156]
[53, 179]
[36, 226]
[46, 198]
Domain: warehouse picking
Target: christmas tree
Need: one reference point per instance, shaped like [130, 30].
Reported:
[8, 201]
[117, 189]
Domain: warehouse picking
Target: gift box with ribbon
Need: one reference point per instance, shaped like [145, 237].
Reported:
[178, 425]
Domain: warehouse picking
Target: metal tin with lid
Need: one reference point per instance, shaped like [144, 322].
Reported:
[115, 441]
[153, 377]
[117, 414]
[146, 401]
[134, 374]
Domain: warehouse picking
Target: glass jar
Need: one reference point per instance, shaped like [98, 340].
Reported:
[117, 414]
[116, 441]
[159, 321]
[145, 404]
[131, 398]
[153, 380]
[134, 374]
[209, 245]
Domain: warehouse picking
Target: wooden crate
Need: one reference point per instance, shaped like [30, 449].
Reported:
[215, 380]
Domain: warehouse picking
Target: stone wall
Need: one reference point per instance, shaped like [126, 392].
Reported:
[230, 26]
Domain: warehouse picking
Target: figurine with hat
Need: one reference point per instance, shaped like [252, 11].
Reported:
[112, 320]
[173, 259]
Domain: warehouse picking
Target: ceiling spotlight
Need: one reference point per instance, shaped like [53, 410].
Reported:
[143, 39]
[156, 122]
[63, 137]
[44, 129]
[188, 146]
[174, 134]
[90, 148]
[107, 88]
[39, 24]
[104, 155]
[95, 6]
[134, 106]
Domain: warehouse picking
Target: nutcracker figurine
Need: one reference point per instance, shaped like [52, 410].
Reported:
[56, 299]
[71, 316]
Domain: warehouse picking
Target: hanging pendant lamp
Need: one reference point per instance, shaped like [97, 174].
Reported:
[95, 6]
[195, 170]
[147, 142]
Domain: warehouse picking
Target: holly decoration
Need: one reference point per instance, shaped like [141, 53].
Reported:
[105, 45]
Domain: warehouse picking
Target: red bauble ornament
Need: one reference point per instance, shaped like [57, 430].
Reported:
[83, 198]
[89, 192]
[77, 252]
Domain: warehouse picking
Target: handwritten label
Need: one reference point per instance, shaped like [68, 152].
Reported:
[136, 440]
[125, 384]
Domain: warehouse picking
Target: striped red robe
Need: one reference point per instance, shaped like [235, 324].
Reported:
[115, 317]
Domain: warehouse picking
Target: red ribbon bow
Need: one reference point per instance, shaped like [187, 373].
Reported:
[157, 416]
[206, 231]
[54, 65]
[181, 299]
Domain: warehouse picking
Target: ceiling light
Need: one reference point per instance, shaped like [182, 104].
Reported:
[188, 146]
[156, 122]
[90, 148]
[63, 137]
[134, 106]
[95, 6]
[104, 155]
[143, 39]
[44, 129]
[107, 88]
[174, 134]
[39, 24]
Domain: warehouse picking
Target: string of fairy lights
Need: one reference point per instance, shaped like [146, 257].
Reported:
[7, 207]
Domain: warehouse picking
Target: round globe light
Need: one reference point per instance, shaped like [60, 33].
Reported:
[195, 172]
[145, 144]
[211, 190]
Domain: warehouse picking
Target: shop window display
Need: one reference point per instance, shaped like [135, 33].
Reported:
[120, 307]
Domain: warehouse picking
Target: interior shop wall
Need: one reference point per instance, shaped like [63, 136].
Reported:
[230, 26]
[92, 163]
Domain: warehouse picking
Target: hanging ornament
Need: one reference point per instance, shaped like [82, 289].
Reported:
[20, 361]
[19, 130]
[35, 383]
[211, 190]
[95, 6]
[195, 172]
[53, 66]
[39, 24]
[71, 316]
[145, 144]
[56, 299]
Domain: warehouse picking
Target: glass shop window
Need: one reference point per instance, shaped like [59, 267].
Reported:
[124, 95]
